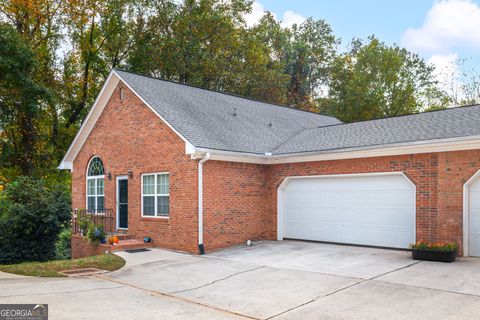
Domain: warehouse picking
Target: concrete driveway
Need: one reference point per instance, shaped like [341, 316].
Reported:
[270, 280]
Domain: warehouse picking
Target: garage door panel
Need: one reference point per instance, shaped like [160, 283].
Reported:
[369, 210]
[372, 182]
[349, 215]
[358, 199]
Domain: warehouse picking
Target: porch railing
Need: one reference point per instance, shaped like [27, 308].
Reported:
[98, 217]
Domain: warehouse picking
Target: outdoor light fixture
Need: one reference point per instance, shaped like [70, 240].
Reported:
[130, 174]
[109, 176]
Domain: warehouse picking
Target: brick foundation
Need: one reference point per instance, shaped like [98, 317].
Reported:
[81, 248]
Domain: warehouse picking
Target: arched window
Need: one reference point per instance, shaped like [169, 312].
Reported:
[95, 185]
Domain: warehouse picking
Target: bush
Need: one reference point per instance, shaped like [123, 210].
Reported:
[31, 219]
[95, 234]
[63, 245]
[439, 246]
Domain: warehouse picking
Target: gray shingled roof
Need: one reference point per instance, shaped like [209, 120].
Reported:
[205, 118]
[444, 124]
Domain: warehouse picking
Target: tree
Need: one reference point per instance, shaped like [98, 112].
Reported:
[462, 83]
[66, 49]
[31, 218]
[308, 59]
[374, 80]
[102, 34]
[304, 52]
[22, 100]
[38, 23]
[206, 43]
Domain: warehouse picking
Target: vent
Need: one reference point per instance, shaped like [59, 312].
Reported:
[137, 250]
[122, 94]
[82, 272]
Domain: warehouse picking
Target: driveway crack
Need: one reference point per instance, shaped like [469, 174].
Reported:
[342, 289]
[61, 292]
[217, 280]
[178, 298]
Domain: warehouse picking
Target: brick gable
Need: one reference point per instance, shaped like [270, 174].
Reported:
[129, 136]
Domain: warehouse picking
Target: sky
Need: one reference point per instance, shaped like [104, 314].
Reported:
[440, 31]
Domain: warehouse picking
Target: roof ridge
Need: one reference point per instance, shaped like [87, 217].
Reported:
[225, 93]
[326, 127]
[405, 115]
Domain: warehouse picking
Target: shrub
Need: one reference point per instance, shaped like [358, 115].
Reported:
[31, 219]
[63, 245]
[441, 246]
[95, 234]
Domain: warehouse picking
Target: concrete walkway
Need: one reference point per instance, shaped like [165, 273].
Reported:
[271, 280]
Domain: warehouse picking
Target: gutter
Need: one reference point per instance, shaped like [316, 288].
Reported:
[203, 157]
[411, 147]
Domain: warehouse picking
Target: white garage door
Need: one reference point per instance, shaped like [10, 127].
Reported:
[474, 219]
[373, 209]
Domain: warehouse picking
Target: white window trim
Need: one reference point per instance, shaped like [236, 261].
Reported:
[155, 195]
[96, 181]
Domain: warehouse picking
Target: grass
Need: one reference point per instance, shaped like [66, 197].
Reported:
[107, 261]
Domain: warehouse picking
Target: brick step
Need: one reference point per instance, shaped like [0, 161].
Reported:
[127, 244]
[121, 236]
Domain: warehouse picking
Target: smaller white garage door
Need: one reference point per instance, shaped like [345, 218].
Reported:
[371, 209]
[474, 219]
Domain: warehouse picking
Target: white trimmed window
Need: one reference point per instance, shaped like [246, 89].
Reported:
[95, 185]
[156, 195]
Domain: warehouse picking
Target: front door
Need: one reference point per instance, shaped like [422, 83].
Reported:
[122, 203]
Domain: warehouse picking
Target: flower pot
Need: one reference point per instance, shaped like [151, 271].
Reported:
[97, 232]
[434, 255]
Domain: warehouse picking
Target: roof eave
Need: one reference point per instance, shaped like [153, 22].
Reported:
[414, 147]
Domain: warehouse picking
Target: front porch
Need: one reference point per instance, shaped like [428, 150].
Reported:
[104, 223]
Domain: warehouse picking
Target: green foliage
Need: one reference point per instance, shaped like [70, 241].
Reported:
[22, 99]
[45, 93]
[31, 219]
[374, 80]
[83, 222]
[63, 244]
[95, 234]
[440, 246]
[309, 55]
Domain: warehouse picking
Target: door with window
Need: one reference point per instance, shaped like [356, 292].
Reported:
[122, 203]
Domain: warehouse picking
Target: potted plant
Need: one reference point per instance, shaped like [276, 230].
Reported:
[96, 234]
[444, 252]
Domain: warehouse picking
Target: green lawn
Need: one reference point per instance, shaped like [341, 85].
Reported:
[107, 261]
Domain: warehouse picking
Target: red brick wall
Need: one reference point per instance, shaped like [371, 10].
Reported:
[129, 136]
[81, 248]
[234, 203]
[439, 179]
[240, 199]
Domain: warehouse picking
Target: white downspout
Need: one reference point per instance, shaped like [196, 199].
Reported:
[203, 158]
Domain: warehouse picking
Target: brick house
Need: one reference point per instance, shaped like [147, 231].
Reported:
[193, 168]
